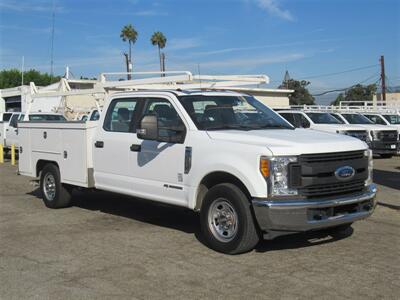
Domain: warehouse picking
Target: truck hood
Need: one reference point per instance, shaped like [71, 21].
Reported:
[377, 127]
[291, 142]
[335, 127]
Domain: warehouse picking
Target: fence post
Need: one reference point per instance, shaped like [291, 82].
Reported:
[13, 154]
[1, 154]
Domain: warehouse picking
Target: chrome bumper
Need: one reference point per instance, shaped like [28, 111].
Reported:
[286, 216]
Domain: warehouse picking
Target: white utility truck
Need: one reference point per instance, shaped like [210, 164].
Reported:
[11, 137]
[247, 171]
[384, 140]
[7, 119]
[323, 121]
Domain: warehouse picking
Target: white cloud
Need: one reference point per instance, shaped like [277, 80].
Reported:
[150, 13]
[183, 43]
[253, 62]
[36, 6]
[273, 8]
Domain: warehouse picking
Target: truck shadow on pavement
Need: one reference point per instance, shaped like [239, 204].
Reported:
[387, 178]
[184, 220]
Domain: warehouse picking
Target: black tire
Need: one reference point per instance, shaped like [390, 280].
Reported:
[386, 155]
[62, 194]
[245, 236]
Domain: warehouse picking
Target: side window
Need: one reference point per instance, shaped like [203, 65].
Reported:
[375, 119]
[290, 118]
[165, 112]
[167, 116]
[121, 116]
[14, 121]
[302, 121]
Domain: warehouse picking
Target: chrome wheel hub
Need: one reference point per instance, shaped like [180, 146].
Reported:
[223, 220]
[49, 186]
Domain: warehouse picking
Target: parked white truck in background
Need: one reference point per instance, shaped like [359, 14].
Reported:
[384, 140]
[248, 172]
[323, 121]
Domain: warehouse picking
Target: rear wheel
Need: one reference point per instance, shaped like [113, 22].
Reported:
[54, 193]
[386, 155]
[226, 220]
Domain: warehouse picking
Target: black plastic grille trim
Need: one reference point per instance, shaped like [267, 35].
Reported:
[332, 189]
[329, 157]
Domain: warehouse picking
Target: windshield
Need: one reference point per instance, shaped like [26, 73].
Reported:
[356, 119]
[7, 117]
[231, 112]
[323, 118]
[46, 118]
[392, 119]
[337, 117]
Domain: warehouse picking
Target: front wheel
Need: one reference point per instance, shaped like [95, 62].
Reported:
[226, 220]
[54, 193]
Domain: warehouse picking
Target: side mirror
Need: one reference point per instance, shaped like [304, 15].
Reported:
[148, 128]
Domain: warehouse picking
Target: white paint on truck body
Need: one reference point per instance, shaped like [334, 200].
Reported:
[150, 173]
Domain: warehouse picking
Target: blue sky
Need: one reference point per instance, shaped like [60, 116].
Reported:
[310, 38]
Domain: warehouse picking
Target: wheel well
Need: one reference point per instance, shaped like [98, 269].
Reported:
[41, 163]
[215, 178]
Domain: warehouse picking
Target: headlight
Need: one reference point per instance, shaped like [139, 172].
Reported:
[275, 171]
[368, 153]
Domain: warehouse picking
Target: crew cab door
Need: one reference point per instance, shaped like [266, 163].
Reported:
[157, 168]
[111, 146]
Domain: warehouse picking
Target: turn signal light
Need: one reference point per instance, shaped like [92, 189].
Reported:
[264, 167]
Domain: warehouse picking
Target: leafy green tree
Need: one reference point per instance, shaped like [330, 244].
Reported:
[12, 78]
[338, 99]
[301, 94]
[128, 33]
[158, 39]
[357, 92]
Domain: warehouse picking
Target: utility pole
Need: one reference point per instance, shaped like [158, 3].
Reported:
[383, 76]
[52, 42]
[22, 70]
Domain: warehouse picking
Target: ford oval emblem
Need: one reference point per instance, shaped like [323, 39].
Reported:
[345, 173]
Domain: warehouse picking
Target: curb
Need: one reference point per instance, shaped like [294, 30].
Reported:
[392, 206]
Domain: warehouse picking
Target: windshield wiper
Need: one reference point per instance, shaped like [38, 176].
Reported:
[268, 127]
[222, 127]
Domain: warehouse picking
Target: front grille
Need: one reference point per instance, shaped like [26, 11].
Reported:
[359, 134]
[387, 136]
[332, 189]
[314, 174]
[329, 157]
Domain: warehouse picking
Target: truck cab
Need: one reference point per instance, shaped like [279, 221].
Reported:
[248, 173]
[384, 140]
[323, 121]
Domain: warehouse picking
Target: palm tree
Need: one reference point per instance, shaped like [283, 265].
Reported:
[159, 39]
[128, 33]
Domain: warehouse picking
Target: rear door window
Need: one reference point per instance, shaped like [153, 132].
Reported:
[121, 115]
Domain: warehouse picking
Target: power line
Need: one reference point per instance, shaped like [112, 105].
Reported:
[347, 88]
[341, 72]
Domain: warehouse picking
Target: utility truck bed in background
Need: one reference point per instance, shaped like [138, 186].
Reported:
[68, 144]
